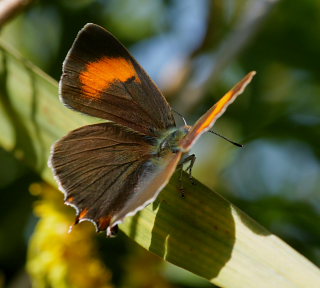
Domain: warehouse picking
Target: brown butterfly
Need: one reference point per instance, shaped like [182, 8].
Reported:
[112, 170]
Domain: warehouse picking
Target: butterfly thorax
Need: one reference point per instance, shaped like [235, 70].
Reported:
[170, 139]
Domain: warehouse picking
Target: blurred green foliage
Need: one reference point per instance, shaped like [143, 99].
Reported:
[274, 178]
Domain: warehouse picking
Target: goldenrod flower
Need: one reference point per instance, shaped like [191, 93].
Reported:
[60, 259]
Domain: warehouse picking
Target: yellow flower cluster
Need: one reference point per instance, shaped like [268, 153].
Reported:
[57, 258]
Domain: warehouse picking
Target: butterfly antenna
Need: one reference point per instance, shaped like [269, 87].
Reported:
[225, 138]
[184, 120]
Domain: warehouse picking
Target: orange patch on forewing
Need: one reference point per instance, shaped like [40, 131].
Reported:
[226, 100]
[220, 105]
[207, 120]
[99, 75]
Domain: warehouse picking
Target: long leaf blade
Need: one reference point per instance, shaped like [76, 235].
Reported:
[202, 233]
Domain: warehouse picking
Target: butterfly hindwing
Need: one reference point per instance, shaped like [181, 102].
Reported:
[97, 167]
[103, 167]
[102, 79]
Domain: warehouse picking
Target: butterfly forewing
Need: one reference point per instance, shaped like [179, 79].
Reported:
[208, 119]
[102, 79]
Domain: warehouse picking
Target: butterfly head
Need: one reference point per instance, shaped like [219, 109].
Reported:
[170, 140]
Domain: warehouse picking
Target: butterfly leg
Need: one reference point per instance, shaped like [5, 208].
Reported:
[181, 189]
[191, 159]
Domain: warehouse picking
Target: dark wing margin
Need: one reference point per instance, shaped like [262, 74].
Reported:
[102, 79]
[105, 171]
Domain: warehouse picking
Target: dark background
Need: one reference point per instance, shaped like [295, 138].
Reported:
[195, 51]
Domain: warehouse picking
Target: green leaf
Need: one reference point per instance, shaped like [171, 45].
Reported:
[202, 233]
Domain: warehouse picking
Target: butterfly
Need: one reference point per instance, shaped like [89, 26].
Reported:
[112, 170]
